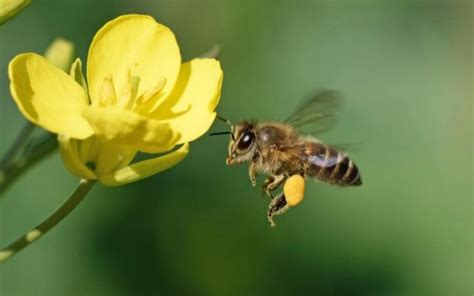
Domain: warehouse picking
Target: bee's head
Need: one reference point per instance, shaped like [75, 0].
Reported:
[242, 143]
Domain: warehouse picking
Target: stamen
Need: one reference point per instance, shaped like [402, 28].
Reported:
[127, 98]
[147, 102]
[107, 95]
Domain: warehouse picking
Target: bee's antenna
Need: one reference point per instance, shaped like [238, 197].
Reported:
[220, 133]
[231, 133]
[223, 133]
[225, 120]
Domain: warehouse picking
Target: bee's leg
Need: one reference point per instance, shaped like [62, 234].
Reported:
[272, 183]
[253, 173]
[267, 181]
[277, 206]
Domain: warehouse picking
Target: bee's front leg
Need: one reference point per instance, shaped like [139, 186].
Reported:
[272, 183]
[253, 173]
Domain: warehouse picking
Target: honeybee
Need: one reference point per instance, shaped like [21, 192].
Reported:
[288, 153]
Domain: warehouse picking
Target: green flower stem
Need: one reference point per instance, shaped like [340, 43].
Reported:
[31, 236]
[13, 169]
[18, 144]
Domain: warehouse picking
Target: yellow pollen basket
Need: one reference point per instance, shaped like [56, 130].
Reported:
[294, 190]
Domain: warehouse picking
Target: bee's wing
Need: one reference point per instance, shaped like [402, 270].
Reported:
[314, 153]
[317, 114]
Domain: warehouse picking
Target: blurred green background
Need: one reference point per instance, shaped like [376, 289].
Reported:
[405, 69]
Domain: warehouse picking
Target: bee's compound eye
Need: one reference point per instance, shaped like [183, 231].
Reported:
[246, 140]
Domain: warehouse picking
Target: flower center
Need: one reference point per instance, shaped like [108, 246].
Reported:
[127, 96]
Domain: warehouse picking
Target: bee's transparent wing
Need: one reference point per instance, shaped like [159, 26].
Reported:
[318, 114]
[315, 153]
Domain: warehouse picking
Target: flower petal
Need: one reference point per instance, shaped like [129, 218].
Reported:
[190, 108]
[69, 149]
[47, 96]
[146, 168]
[125, 127]
[135, 43]
[104, 156]
[111, 157]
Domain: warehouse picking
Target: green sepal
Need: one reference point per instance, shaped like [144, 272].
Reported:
[60, 53]
[77, 75]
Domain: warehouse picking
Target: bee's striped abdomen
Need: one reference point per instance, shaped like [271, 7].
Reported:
[330, 165]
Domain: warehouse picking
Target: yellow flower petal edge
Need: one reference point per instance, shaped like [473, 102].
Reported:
[125, 127]
[134, 44]
[198, 89]
[146, 168]
[47, 96]
[68, 148]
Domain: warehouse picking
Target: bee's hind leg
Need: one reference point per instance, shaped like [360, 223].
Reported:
[277, 206]
[272, 183]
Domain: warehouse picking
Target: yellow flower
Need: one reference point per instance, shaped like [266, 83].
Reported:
[138, 98]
